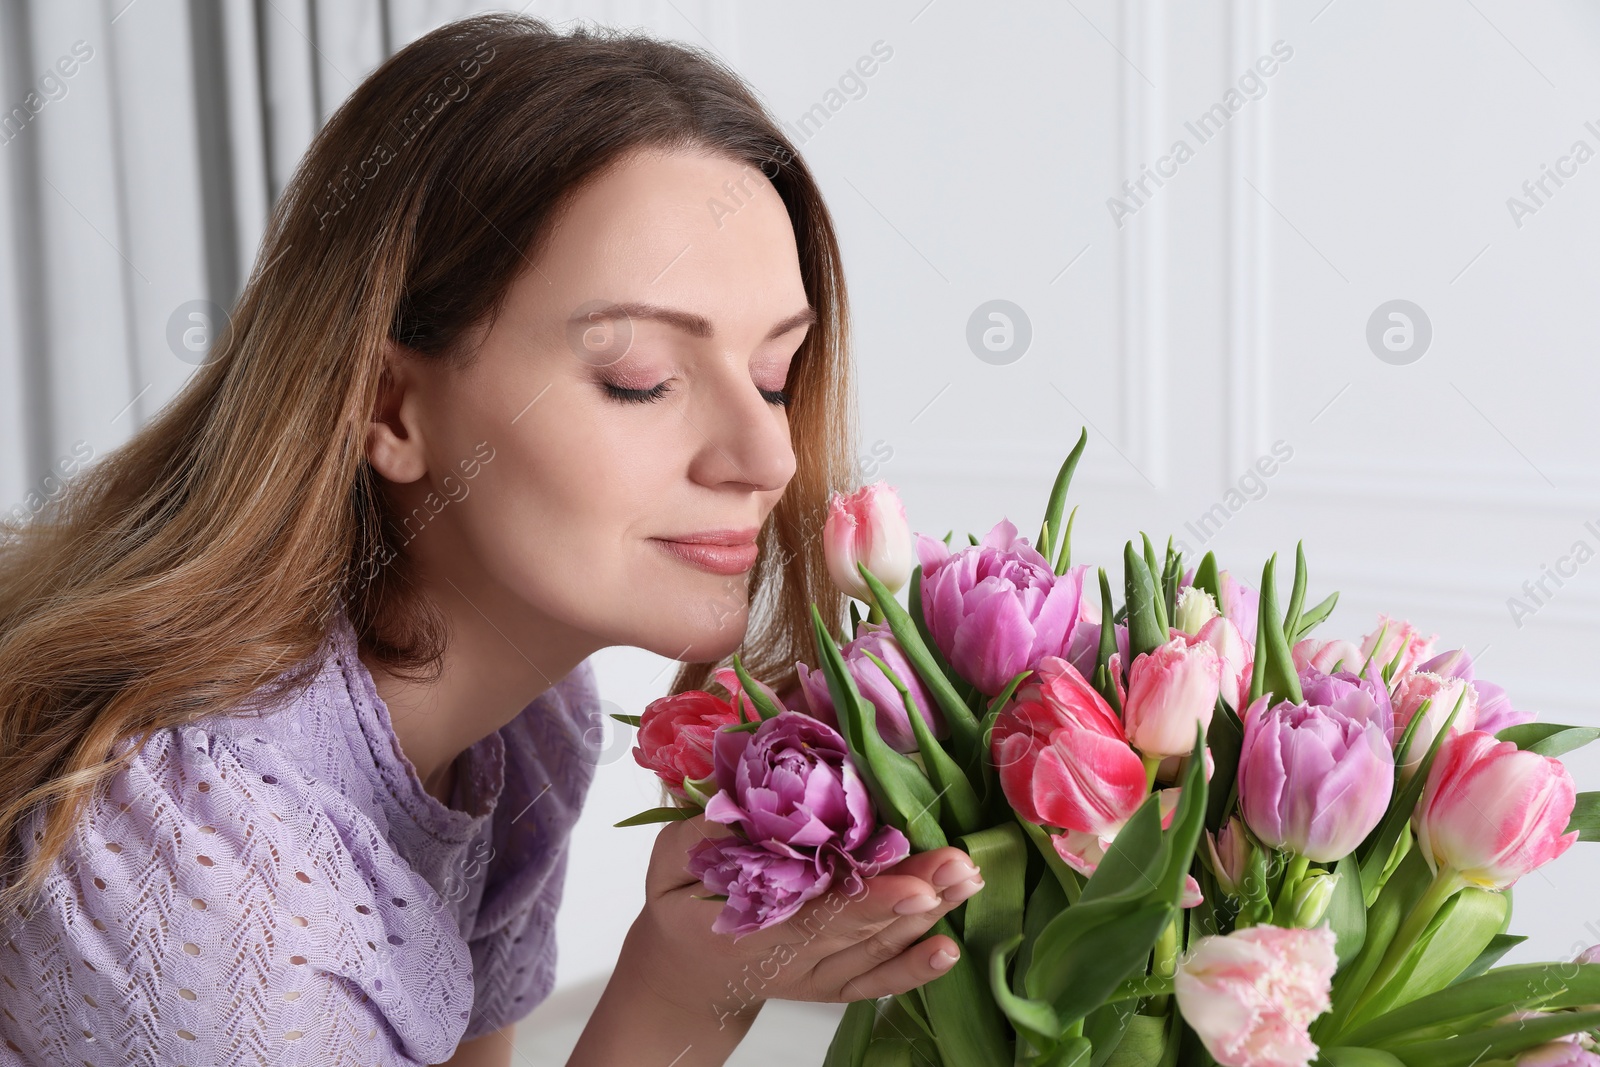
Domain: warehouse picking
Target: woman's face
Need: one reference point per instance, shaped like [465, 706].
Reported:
[627, 399]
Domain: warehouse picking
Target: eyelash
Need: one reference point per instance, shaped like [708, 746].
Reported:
[778, 397]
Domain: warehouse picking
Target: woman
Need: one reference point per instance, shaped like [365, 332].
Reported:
[545, 353]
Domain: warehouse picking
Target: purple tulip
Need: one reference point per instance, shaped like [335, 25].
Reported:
[1362, 699]
[876, 688]
[1313, 780]
[1495, 712]
[997, 607]
[804, 813]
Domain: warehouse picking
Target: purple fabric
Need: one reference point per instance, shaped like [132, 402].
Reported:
[281, 889]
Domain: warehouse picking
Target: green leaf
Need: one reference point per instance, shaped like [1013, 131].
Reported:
[1346, 1056]
[849, 1045]
[1554, 985]
[1207, 578]
[963, 724]
[994, 914]
[905, 798]
[1064, 556]
[1312, 617]
[1495, 1042]
[1157, 573]
[1281, 679]
[1498, 946]
[1058, 495]
[1376, 849]
[1297, 594]
[1409, 881]
[1586, 817]
[1347, 912]
[1034, 1019]
[1548, 738]
[855, 618]
[957, 799]
[966, 1020]
[1145, 632]
[1460, 931]
[764, 705]
[1143, 1041]
[1065, 876]
[631, 720]
[644, 818]
[1108, 647]
[1225, 739]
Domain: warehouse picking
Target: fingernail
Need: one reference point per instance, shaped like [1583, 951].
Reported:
[954, 873]
[942, 961]
[917, 904]
[957, 893]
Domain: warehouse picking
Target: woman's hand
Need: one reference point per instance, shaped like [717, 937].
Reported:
[858, 941]
[685, 995]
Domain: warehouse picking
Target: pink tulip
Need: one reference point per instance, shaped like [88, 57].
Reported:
[1441, 695]
[1238, 659]
[1395, 637]
[1083, 851]
[1564, 1053]
[1495, 712]
[888, 706]
[1492, 812]
[1326, 657]
[1251, 996]
[1239, 605]
[998, 607]
[1170, 691]
[1061, 755]
[868, 526]
[1312, 780]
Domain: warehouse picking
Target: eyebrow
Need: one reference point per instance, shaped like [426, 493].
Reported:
[687, 321]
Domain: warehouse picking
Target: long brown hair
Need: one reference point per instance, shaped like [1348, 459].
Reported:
[196, 568]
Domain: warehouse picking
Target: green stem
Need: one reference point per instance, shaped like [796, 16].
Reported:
[1165, 964]
[1151, 765]
[1445, 884]
[1284, 911]
[874, 613]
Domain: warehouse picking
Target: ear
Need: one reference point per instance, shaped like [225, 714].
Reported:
[395, 447]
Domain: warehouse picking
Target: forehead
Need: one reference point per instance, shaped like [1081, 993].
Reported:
[676, 227]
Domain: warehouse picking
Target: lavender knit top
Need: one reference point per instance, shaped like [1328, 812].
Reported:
[280, 889]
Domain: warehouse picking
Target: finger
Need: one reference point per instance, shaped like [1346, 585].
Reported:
[670, 855]
[889, 941]
[917, 965]
[912, 887]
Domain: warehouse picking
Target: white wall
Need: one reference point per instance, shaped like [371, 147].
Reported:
[1228, 311]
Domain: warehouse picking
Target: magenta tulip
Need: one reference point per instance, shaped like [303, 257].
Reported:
[1170, 692]
[998, 607]
[1311, 780]
[1492, 812]
[867, 526]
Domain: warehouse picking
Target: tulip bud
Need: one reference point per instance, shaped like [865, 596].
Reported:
[1170, 691]
[1395, 638]
[1195, 609]
[868, 526]
[1229, 854]
[1312, 897]
[1492, 812]
[1440, 695]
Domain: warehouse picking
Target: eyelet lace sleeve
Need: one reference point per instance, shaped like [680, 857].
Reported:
[218, 906]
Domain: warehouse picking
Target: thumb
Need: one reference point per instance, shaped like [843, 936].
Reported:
[670, 856]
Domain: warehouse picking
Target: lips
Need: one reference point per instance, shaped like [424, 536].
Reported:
[725, 552]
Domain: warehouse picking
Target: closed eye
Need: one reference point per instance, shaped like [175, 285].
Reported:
[649, 396]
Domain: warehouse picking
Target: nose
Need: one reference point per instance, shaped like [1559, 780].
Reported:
[745, 439]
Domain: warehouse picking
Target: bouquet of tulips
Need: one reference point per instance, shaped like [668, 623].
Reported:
[1206, 837]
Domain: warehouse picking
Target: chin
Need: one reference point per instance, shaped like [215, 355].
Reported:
[698, 644]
